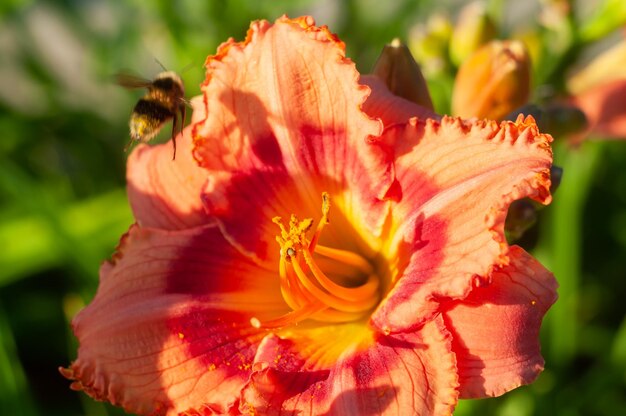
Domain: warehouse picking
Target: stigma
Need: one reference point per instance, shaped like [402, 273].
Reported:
[317, 282]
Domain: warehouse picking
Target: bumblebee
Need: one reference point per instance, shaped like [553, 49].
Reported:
[164, 100]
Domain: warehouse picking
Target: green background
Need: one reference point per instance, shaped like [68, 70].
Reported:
[63, 127]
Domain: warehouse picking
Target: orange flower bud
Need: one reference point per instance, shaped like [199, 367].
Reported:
[493, 81]
[473, 29]
[401, 74]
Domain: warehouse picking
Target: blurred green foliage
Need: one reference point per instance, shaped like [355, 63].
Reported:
[63, 126]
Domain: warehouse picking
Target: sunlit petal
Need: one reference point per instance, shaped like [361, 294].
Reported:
[456, 181]
[409, 374]
[285, 126]
[169, 327]
[496, 328]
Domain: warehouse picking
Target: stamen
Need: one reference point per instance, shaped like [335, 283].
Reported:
[291, 293]
[323, 221]
[279, 221]
[361, 293]
[294, 316]
[301, 294]
[311, 293]
[347, 257]
[328, 299]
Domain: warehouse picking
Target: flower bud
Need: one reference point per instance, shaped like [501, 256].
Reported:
[493, 81]
[473, 29]
[402, 75]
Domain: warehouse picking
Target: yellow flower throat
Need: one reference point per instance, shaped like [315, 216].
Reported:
[308, 290]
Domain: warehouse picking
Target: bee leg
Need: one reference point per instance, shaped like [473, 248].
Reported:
[183, 112]
[174, 124]
[130, 142]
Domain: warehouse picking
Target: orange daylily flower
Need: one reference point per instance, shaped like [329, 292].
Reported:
[314, 249]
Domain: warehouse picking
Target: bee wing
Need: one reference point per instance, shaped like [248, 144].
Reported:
[131, 81]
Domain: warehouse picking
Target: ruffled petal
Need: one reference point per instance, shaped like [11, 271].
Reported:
[169, 329]
[496, 328]
[285, 104]
[165, 193]
[405, 375]
[388, 107]
[456, 181]
[605, 109]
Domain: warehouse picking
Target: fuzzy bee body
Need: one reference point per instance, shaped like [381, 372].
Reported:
[164, 100]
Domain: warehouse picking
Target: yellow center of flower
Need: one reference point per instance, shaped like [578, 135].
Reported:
[318, 282]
